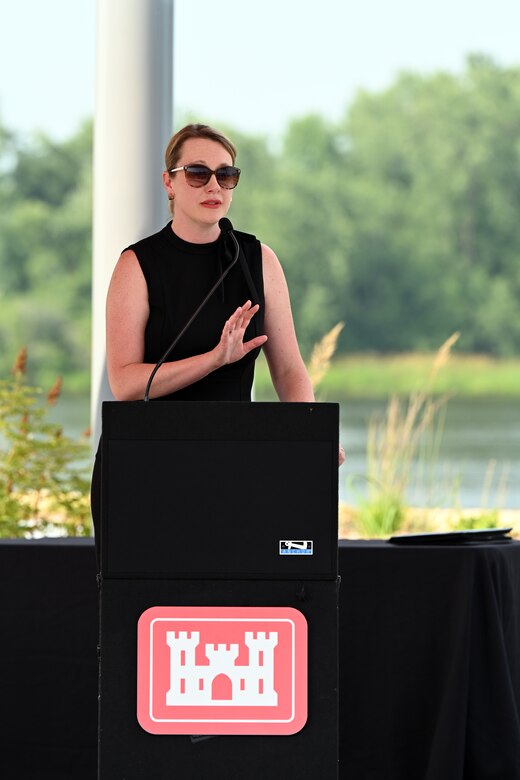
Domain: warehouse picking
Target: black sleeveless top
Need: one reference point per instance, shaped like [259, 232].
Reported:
[179, 275]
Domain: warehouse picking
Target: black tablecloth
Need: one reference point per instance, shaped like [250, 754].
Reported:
[48, 660]
[429, 661]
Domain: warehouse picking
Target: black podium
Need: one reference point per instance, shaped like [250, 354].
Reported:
[219, 591]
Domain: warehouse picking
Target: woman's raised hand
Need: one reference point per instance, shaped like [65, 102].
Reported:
[231, 346]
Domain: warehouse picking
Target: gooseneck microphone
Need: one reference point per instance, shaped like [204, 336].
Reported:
[226, 228]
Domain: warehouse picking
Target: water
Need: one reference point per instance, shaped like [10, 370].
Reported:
[478, 463]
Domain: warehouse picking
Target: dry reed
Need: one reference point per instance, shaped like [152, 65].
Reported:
[394, 440]
[322, 354]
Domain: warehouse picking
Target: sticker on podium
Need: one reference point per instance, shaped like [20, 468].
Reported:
[222, 670]
[292, 547]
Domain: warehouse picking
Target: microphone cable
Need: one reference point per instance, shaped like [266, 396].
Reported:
[225, 227]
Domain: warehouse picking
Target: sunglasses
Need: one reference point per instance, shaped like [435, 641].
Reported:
[199, 175]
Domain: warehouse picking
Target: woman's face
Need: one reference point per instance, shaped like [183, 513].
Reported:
[199, 206]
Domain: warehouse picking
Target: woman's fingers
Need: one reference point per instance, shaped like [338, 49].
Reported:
[232, 339]
[255, 343]
[241, 318]
[245, 312]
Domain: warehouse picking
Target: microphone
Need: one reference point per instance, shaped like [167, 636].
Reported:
[226, 228]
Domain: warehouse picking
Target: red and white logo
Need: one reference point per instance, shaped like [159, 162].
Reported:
[222, 670]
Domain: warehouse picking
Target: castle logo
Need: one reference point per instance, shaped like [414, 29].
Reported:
[222, 670]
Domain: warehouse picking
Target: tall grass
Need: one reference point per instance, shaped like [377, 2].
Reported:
[320, 360]
[409, 429]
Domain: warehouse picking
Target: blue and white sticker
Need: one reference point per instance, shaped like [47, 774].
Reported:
[296, 547]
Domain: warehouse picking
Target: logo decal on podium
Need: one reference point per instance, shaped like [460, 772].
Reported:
[222, 670]
[302, 547]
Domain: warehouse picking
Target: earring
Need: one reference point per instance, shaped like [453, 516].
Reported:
[171, 196]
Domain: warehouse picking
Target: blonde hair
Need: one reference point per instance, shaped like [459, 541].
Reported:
[177, 141]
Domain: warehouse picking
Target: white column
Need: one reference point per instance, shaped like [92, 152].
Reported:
[133, 122]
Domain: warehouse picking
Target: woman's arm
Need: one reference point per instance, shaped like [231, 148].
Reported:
[288, 373]
[286, 366]
[126, 316]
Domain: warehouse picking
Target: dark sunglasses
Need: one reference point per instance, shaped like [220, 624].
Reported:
[199, 175]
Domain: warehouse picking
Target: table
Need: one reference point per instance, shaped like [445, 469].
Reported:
[430, 661]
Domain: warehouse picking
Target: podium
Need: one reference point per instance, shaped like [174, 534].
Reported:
[219, 591]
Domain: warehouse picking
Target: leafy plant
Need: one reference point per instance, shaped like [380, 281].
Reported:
[474, 522]
[488, 516]
[44, 475]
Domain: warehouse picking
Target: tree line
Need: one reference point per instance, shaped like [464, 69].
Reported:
[401, 220]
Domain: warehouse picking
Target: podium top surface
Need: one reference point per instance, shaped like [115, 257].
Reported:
[166, 419]
[219, 490]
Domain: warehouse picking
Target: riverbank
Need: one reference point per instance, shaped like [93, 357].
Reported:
[438, 520]
[379, 376]
[371, 375]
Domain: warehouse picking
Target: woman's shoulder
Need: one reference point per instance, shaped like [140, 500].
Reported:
[247, 238]
[250, 244]
[150, 243]
[252, 241]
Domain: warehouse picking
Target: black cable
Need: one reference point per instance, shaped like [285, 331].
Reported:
[226, 227]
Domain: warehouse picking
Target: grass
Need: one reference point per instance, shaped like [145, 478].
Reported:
[408, 428]
[379, 376]
[433, 520]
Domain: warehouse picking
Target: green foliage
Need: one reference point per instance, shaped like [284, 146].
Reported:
[436, 189]
[45, 256]
[381, 516]
[378, 376]
[44, 475]
[489, 519]
[401, 221]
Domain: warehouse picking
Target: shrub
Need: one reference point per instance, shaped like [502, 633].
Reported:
[44, 475]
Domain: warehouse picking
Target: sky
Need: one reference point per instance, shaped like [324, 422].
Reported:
[254, 66]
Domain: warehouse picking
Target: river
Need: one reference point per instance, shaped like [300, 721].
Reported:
[478, 460]
[477, 465]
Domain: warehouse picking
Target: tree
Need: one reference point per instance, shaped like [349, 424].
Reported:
[45, 255]
[434, 183]
[401, 221]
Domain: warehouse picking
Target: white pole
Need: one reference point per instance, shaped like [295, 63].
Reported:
[133, 122]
